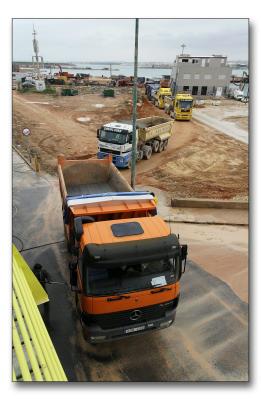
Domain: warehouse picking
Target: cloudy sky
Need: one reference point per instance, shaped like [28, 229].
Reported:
[113, 39]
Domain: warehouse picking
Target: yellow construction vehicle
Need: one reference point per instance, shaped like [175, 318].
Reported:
[180, 106]
[158, 98]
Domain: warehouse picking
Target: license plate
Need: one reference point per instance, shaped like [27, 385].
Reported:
[138, 328]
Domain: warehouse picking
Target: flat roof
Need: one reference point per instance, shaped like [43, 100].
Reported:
[213, 56]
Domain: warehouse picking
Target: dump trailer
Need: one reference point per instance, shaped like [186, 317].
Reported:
[159, 95]
[179, 107]
[150, 89]
[115, 138]
[126, 265]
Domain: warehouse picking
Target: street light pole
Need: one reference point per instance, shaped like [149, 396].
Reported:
[134, 110]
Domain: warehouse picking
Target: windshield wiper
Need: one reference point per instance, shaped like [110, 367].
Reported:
[160, 290]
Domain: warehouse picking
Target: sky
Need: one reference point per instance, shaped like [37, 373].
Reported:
[99, 40]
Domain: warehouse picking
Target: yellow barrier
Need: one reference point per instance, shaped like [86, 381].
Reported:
[35, 358]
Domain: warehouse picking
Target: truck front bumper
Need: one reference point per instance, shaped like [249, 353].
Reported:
[118, 161]
[95, 334]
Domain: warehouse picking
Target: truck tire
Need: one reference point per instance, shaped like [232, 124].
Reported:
[147, 152]
[165, 144]
[140, 155]
[161, 146]
[155, 146]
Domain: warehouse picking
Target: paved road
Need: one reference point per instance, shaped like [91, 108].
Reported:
[209, 340]
[228, 128]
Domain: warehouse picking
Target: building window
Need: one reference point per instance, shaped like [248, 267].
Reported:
[184, 60]
[194, 90]
[208, 76]
[204, 90]
[186, 76]
[221, 76]
[185, 88]
[196, 76]
[194, 61]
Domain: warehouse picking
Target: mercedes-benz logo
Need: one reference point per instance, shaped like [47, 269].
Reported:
[136, 314]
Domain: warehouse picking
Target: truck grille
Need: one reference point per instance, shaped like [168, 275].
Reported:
[110, 151]
[122, 318]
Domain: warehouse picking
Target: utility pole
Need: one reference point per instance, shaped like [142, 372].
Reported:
[134, 110]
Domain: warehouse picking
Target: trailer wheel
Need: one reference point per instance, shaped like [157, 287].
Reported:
[161, 147]
[139, 155]
[165, 144]
[155, 146]
[147, 152]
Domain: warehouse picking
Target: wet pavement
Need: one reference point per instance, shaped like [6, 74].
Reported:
[208, 342]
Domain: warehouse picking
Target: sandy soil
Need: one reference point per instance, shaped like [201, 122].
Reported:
[197, 163]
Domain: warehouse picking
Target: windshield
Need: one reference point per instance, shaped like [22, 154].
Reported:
[113, 137]
[101, 281]
[187, 104]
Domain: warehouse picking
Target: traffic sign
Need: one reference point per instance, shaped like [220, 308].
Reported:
[26, 132]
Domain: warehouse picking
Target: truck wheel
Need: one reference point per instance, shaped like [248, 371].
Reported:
[140, 155]
[155, 146]
[147, 152]
[161, 146]
[165, 144]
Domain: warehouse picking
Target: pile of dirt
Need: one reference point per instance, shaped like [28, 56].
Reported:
[209, 166]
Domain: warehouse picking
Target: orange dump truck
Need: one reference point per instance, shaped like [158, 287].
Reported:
[125, 263]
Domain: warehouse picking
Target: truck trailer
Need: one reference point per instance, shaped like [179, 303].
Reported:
[126, 265]
[115, 138]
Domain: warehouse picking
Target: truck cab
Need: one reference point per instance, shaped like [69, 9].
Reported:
[159, 96]
[115, 138]
[126, 277]
[180, 106]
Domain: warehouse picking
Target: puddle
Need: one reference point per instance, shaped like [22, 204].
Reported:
[83, 119]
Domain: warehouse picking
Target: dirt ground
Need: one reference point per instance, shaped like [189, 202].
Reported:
[197, 163]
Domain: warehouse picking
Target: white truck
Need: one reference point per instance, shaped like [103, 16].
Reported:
[115, 138]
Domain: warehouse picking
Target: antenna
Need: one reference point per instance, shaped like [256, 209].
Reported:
[183, 47]
[36, 59]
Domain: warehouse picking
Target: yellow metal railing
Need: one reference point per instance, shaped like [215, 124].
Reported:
[34, 356]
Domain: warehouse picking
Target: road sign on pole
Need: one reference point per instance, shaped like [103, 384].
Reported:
[134, 112]
[26, 133]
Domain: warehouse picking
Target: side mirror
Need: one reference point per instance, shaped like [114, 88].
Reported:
[78, 229]
[73, 279]
[73, 276]
[98, 133]
[184, 253]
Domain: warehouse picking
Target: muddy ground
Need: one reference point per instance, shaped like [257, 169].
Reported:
[197, 163]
